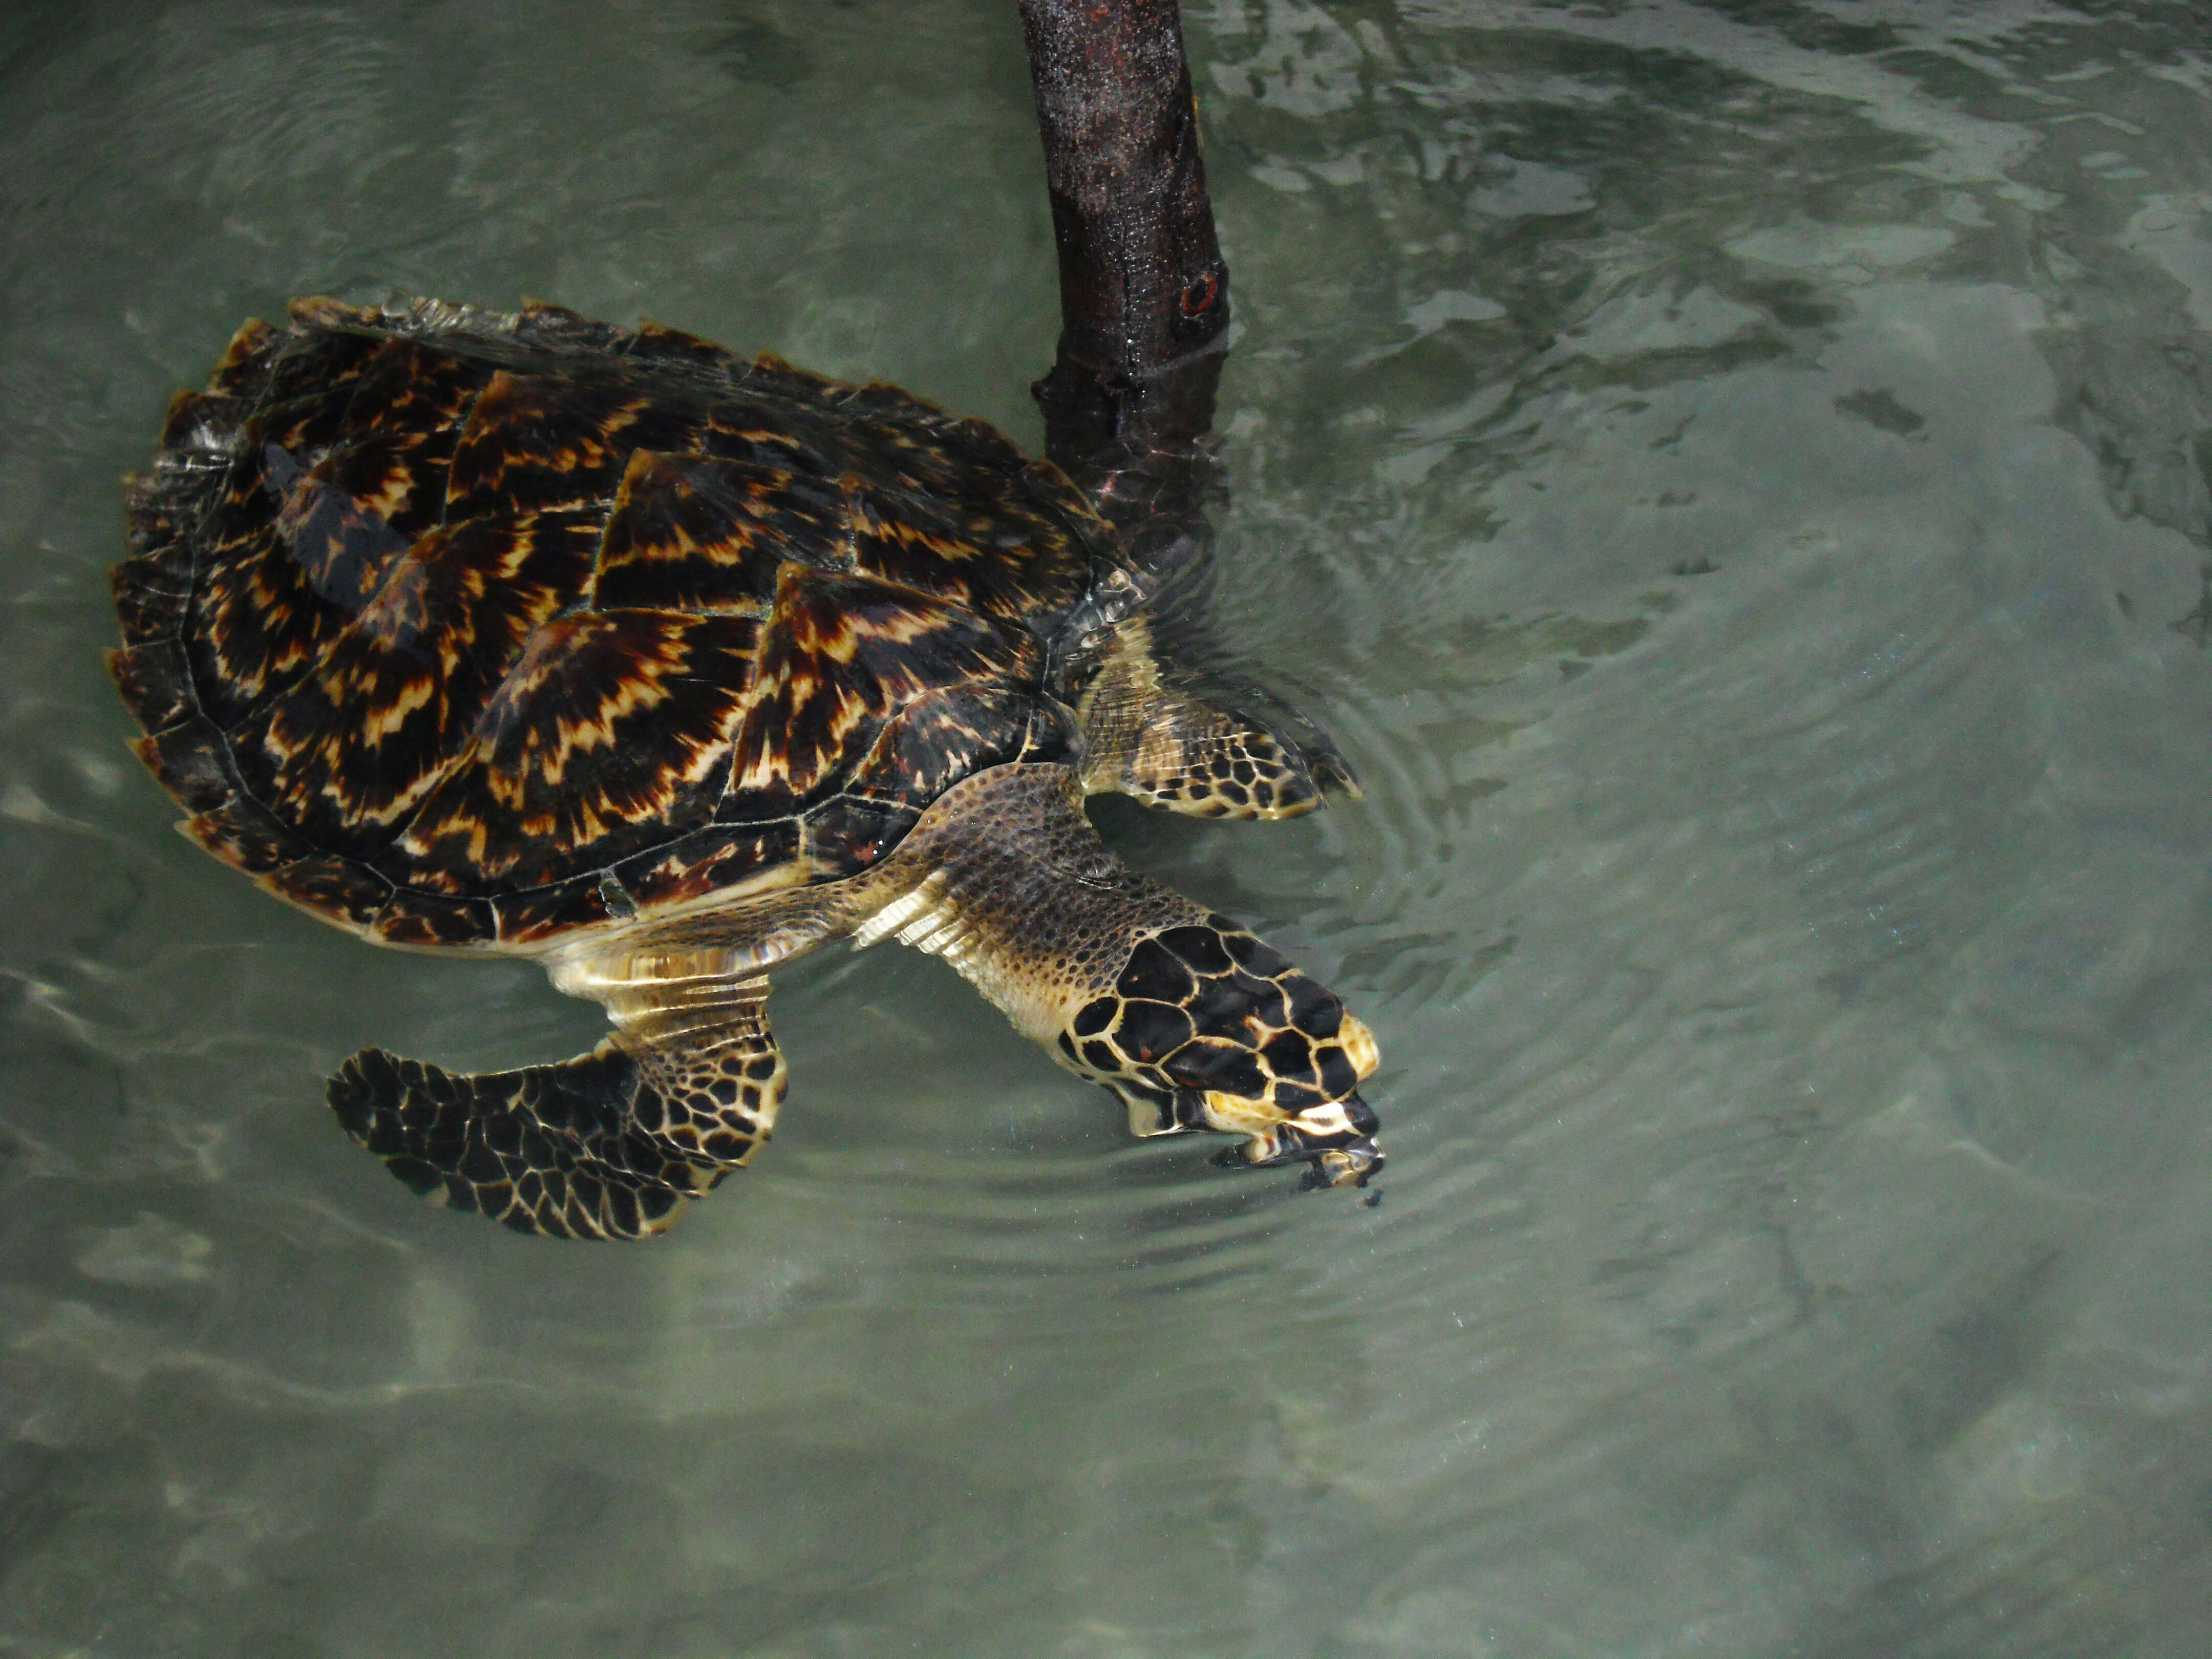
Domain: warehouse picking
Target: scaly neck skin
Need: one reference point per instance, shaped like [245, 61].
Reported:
[1023, 898]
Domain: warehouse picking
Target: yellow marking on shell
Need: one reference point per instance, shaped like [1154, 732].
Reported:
[925, 617]
[392, 494]
[388, 720]
[399, 807]
[641, 688]
[681, 542]
[522, 547]
[770, 766]
[837, 638]
[400, 606]
[1359, 1047]
[686, 544]
[950, 549]
[589, 825]
[479, 843]
[587, 448]
[840, 646]
[309, 488]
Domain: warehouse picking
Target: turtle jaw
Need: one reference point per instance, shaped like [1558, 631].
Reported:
[1356, 1161]
[1335, 1141]
[1351, 1165]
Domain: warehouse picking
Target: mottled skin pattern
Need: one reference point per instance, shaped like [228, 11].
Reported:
[606, 1146]
[533, 636]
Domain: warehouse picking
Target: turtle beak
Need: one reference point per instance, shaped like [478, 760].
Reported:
[1355, 1162]
[1352, 1164]
[1334, 1141]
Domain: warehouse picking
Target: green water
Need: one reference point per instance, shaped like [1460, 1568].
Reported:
[1734, 477]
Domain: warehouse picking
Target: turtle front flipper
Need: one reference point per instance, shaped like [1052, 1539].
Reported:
[609, 1145]
[1194, 1022]
[1170, 747]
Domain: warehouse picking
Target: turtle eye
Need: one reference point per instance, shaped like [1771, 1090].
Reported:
[1200, 293]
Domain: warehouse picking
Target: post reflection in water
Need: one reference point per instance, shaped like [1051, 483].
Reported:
[1735, 482]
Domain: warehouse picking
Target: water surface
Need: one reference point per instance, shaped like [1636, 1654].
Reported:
[1734, 475]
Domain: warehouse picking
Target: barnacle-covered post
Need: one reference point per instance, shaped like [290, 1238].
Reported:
[1144, 293]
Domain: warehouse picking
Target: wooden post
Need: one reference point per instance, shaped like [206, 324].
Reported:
[1143, 294]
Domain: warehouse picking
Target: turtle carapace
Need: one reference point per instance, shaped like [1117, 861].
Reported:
[532, 635]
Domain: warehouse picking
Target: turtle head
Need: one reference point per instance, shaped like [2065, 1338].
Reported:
[1194, 1022]
[1208, 1026]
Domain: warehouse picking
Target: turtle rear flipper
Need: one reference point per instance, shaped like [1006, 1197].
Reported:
[609, 1145]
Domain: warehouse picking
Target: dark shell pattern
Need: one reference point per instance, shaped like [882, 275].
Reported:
[464, 630]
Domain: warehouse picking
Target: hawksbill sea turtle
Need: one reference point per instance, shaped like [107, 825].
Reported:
[534, 636]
